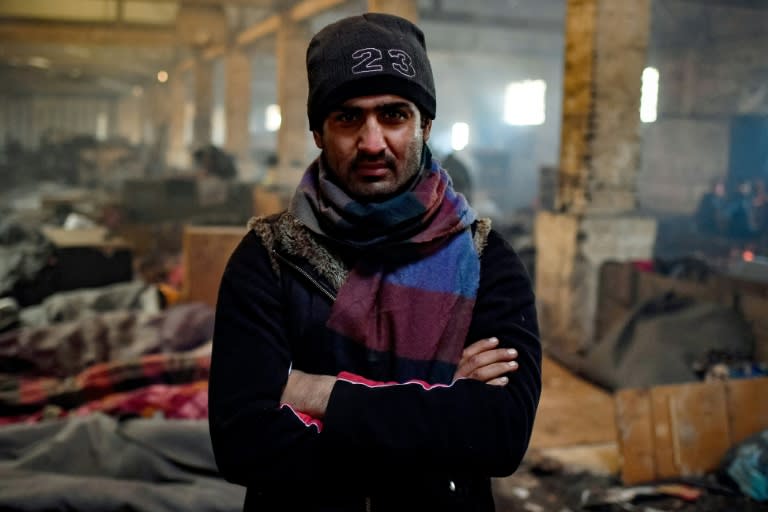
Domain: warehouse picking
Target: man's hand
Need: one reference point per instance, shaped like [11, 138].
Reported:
[308, 393]
[484, 362]
[481, 361]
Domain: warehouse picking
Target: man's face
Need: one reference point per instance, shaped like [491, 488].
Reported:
[372, 145]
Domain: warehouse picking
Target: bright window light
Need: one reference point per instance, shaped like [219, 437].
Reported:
[218, 126]
[459, 136]
[102, 126]
[273, 118]
[649, 97]
[189, 123]
[525, 103]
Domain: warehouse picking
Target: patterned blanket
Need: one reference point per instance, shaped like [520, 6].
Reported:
[21, 395]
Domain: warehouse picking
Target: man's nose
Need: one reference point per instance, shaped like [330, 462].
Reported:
[371, 137]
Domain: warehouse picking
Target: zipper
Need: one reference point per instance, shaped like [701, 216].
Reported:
[323, 289]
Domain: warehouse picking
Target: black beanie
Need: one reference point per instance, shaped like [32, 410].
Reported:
[364, 55]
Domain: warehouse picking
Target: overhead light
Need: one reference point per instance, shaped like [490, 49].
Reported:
[162, 76]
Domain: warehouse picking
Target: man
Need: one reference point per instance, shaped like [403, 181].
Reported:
[460, 175]
[367, 340]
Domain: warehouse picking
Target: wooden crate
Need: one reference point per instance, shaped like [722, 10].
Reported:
[205, 252]
[686, 429]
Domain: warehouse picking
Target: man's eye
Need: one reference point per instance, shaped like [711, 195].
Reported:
[394, 115]
[345, 117]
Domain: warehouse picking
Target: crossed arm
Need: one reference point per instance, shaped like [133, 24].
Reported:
[481, 361]
[465, 428]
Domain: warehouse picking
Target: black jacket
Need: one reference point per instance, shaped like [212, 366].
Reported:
[383, 448]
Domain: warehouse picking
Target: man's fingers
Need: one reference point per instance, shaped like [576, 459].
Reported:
[493, 371]
[479, 346]
[484, 362]
[489, 357]
[470, 367]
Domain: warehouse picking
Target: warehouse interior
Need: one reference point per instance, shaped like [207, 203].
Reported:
[620, 147]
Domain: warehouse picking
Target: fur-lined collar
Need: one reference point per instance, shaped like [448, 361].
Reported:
[282, 231]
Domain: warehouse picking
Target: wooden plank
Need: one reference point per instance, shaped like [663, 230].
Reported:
[205, 252]
[571, 411]
[691, 428]
[747, 407]
[634, 421]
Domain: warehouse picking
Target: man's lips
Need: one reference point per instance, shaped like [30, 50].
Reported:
[372, 169]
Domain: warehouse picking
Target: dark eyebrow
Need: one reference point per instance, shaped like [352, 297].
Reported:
[393, 106]
[344, 108]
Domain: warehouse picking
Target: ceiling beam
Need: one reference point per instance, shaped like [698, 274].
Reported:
[737, 4]
[299, 12]
[480, 21]
[41, 82]
[40, 31]
[258, 30]
[308, 8]
[269, 4]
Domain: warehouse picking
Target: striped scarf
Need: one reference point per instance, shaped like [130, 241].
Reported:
[412, 289]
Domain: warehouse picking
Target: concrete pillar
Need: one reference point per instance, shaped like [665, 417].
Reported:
[201, 131]
[408, 9]
[238, 108]
[294, 135]
[606, 51]
[177, 155]
[606, 46]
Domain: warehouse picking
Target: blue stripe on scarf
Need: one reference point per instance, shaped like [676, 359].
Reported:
[457, 254]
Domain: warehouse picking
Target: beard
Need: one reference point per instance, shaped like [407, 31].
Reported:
[374, 189]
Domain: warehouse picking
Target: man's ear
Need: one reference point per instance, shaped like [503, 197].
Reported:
[318, 139]
[426, 129]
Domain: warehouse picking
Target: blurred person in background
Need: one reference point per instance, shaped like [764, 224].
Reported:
[712, 211]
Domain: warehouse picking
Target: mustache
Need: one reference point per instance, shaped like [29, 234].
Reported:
[363, 158]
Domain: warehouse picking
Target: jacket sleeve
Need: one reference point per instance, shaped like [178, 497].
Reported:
[467, 428]
[256, 441]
